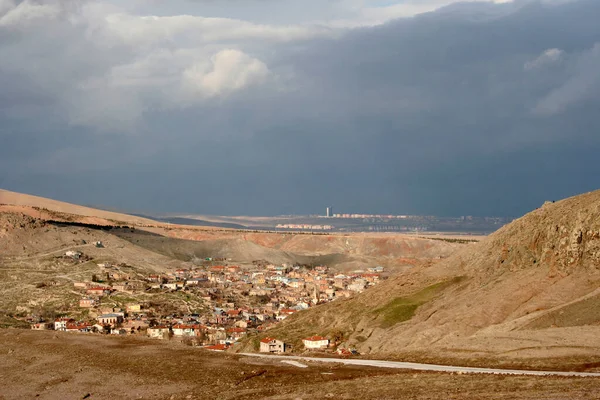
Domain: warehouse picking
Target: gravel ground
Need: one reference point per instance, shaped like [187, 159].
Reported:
[51, 365]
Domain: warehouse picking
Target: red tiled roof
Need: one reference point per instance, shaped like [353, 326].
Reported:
[315, 338]
[217, 347]
[267, 340]
[182, 326]
[78, 326]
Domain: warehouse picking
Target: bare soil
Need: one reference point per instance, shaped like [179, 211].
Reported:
[52, 365]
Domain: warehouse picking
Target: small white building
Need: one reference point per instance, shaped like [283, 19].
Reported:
[270, 345]
[184, 330]
[173, 285]
[61, 324]
[315, 342]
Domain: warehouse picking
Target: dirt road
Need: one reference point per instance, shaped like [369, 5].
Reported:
[424, 367]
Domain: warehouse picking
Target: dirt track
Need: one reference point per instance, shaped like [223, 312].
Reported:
[71, 366]
[421, 367]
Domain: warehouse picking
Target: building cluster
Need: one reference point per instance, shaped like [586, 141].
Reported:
[221, 303]
[363, 216]
[305, 227]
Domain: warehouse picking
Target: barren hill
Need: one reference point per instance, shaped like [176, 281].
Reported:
[529, 290]
[396, 252]
[346, 251]
[49, 208]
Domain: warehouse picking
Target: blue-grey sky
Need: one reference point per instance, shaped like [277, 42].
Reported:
[264, 107]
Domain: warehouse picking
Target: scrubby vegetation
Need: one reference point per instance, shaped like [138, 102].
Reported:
[402, 309]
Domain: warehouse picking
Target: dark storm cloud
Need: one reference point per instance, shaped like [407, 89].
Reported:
[483, 108]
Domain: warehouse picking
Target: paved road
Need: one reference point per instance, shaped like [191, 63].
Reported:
[423, 367]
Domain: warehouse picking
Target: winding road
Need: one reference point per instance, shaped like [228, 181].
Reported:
[423, 367]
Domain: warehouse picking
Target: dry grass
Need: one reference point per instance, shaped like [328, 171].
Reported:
[50, 365]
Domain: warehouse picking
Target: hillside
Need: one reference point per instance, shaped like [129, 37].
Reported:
[347, 252]
[529, 290]
[36, 277]
[397, 252]
[49, 208]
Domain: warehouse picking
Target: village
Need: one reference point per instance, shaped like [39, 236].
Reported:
[213, 305]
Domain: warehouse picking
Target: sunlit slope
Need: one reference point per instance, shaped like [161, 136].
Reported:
[20, 199]
[531, 288]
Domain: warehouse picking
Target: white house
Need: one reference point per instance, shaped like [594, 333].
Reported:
[270, 345]
[173, 285]
[315, 342]
[61, 324]
[184, 330]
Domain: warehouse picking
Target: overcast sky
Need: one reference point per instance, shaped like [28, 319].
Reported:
[266, 107]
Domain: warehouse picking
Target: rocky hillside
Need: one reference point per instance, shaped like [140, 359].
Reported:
[530, 289]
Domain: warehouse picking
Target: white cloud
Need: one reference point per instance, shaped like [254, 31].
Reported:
[548, 57]
[188, 30]
[228, 70]
[19, 15]
[583, 83]
[6, 6]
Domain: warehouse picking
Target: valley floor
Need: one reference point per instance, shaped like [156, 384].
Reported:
[62, 365]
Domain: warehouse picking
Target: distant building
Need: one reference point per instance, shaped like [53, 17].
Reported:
[158, 332]
[315, 342]
[42, 326]
[134, 308]
[329, 212]
[270, 345]
[61, 324]
[87, 303]
[112, 319]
